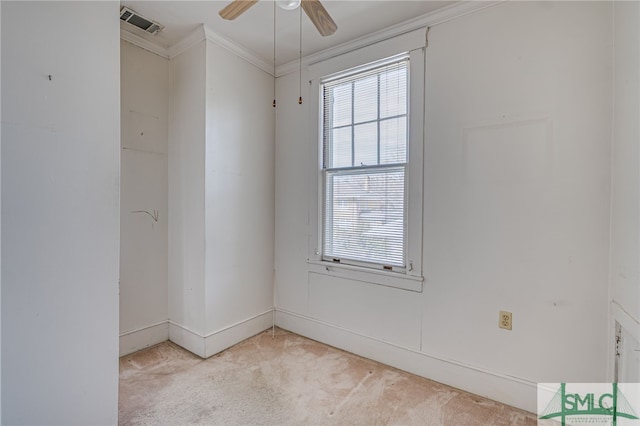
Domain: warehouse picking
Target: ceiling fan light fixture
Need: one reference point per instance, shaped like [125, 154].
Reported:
[288, 4]
[312, 8]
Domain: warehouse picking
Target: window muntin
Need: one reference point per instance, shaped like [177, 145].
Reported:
[365, 128]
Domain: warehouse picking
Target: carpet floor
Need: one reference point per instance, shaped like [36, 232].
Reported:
[291, 380]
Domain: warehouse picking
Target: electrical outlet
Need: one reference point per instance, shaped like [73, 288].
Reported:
[504, 321]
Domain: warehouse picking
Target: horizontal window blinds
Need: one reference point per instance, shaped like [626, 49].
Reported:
[365, 117]
[364, 160]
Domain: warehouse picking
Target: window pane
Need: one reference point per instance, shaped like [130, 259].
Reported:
[341, 152]
[341, 105]
[366, 144]
[365, 99]
[365, 221]
[393, 140]
[365, 136]
[393, 93]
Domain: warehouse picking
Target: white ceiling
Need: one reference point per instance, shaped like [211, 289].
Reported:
[253, 30]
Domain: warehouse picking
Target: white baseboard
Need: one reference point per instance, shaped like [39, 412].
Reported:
[134, 340]
[213, 343]
[229, 336]
[188, 339]
[509, 390]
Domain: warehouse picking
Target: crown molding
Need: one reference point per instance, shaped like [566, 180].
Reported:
[143, 43]
[430, 19]
[202, 32]
[192, 39]
[239, 50]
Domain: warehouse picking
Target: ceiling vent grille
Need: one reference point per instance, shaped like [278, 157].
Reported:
[137, 20]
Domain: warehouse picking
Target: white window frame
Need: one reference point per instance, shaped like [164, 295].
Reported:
[354, 169]
[412, 44]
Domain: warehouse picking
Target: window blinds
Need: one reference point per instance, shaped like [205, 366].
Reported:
[365, 117]
[364, 160]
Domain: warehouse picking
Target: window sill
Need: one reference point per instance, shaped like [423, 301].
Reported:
[388, 279]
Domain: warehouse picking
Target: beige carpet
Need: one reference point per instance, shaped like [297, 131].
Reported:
[290, 380]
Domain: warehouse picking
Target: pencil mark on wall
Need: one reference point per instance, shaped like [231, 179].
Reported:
[153, 215]
[145, 151]
[144, 114]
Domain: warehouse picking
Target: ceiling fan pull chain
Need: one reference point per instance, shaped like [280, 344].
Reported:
[274, 54]
[300, 59]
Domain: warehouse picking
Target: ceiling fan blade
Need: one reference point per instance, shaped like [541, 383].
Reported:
[319, 16]
[236, 8]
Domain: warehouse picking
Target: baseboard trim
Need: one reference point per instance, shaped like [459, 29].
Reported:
[135, 340]
[229, 336]
[210, 344]
[509, 390]
[188, 339]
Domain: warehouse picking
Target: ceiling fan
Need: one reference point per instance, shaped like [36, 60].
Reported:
[313, 8]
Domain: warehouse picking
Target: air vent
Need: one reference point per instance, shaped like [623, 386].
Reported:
[137, 20]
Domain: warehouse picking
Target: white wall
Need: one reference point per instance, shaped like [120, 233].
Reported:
[239, 191]
[516, 217]
[516, 176]
[60, 212]
[187, 129]
[625, 210]
[0, 223]
[221, 199]
[144, 103]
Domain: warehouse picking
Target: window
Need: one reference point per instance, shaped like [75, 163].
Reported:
[366, 172]
[365, 127]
